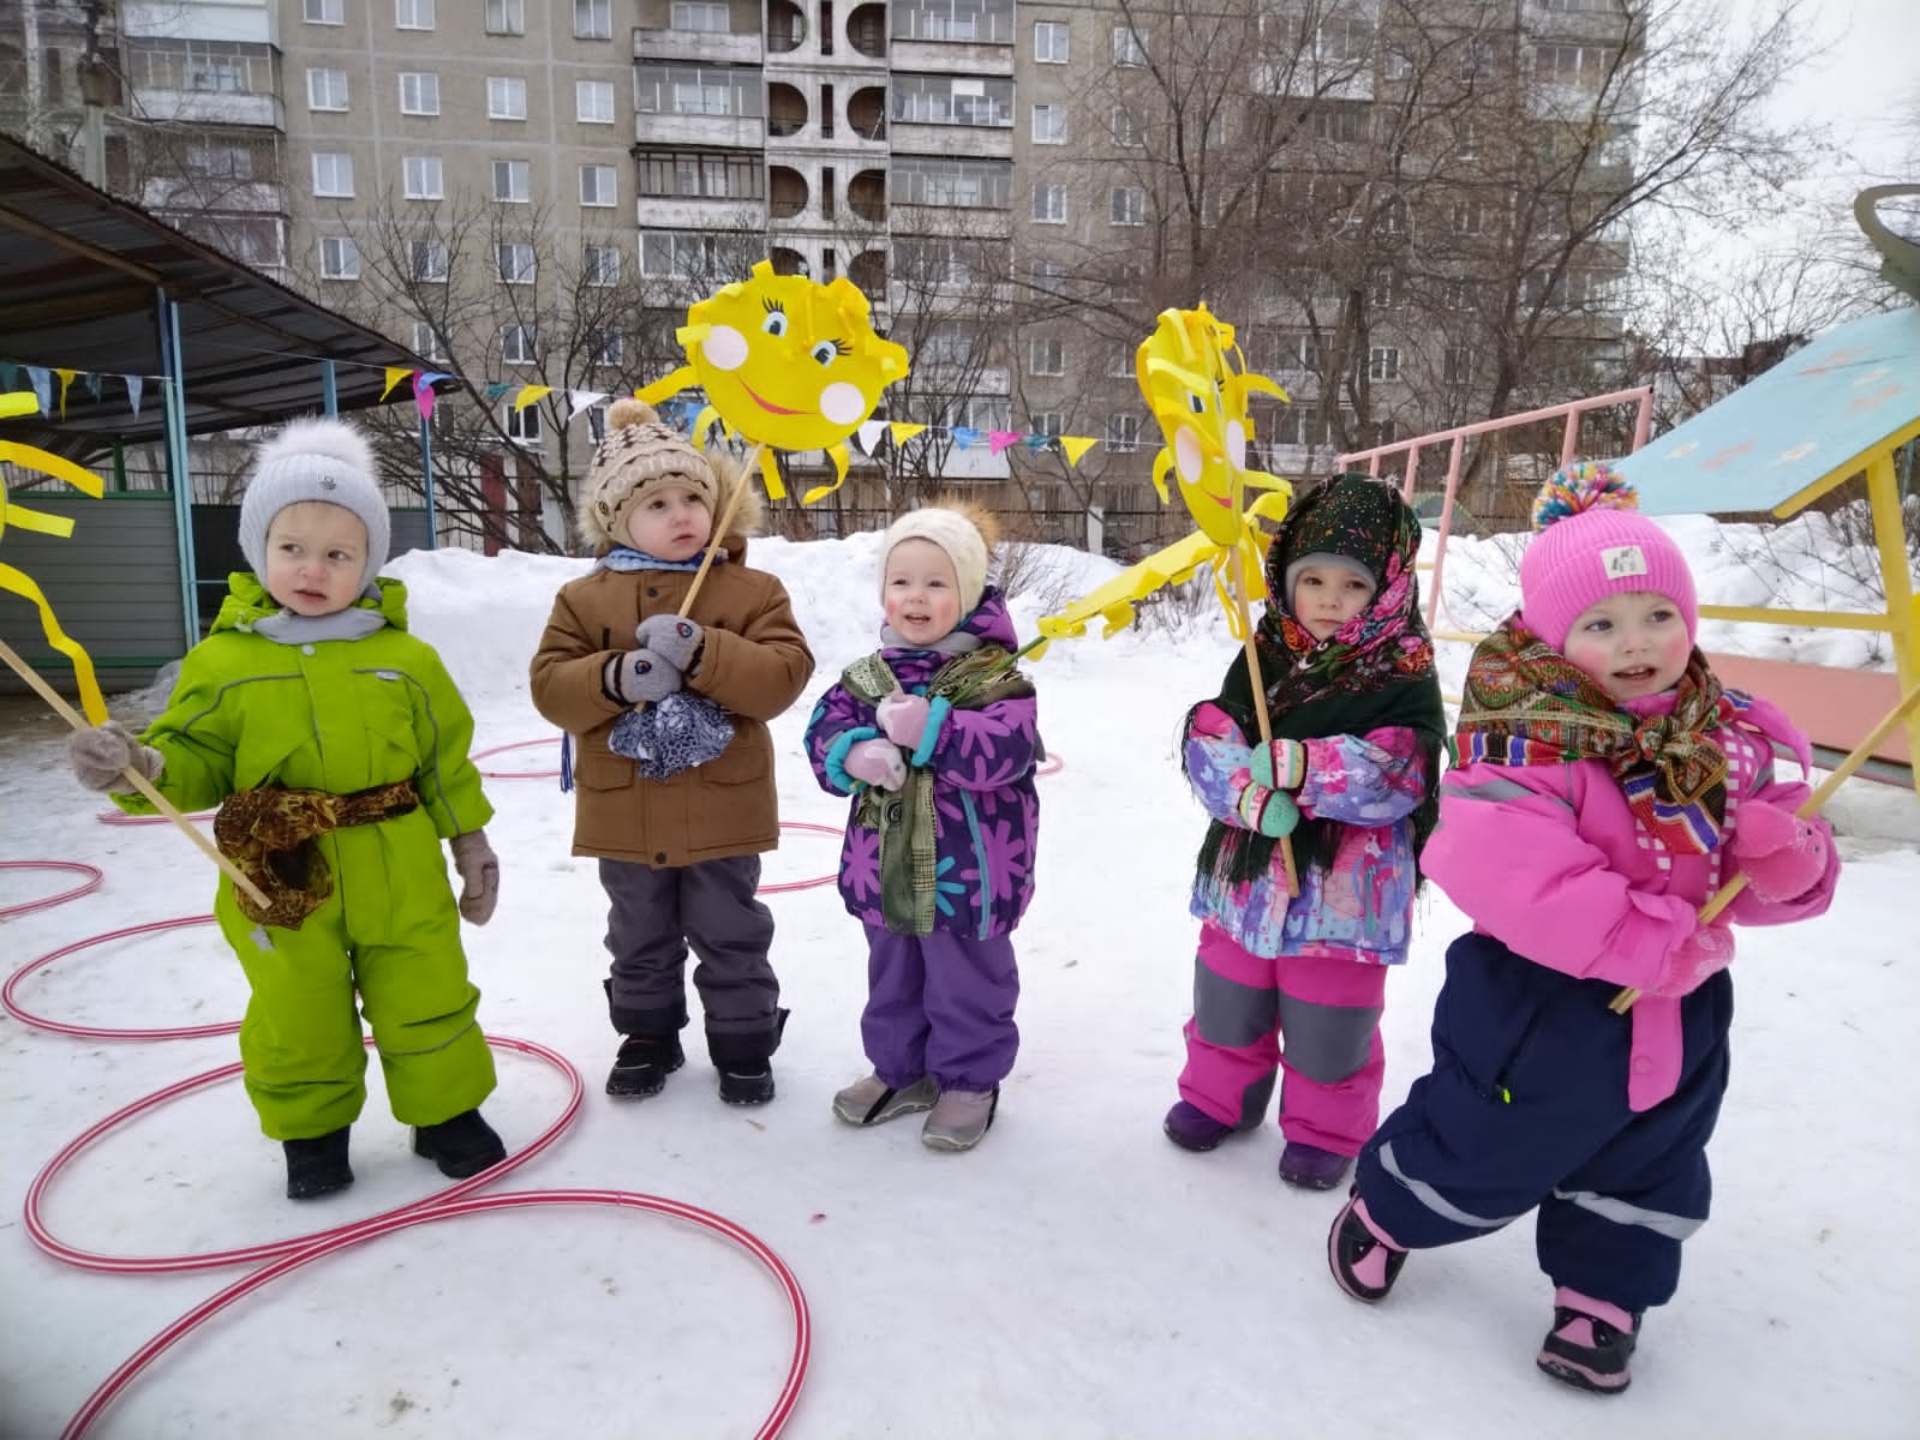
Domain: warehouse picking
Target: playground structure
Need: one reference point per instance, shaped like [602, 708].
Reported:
[1845, 405]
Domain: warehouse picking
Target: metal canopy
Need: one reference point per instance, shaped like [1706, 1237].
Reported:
[83, 279]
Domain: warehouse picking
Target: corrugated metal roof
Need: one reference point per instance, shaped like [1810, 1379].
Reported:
[80, 276]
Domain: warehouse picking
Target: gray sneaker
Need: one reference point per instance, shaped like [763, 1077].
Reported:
[874, 1102]
[960, 1118]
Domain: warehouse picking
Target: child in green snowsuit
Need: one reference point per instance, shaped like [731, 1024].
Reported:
[335, 745]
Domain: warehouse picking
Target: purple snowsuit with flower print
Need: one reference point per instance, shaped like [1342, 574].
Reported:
[942, 1004]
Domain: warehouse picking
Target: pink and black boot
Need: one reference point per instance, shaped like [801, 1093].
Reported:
[1364, 1260]
[1590, 1343]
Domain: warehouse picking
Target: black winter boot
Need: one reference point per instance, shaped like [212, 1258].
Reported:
[746, 1071]
[643, 1064]
[318, 1166]
[462, 1146]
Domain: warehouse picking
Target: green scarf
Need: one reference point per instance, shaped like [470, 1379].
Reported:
[905, 820]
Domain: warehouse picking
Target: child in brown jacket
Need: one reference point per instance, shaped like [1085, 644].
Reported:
[679, 856]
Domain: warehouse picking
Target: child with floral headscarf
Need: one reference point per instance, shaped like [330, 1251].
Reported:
[1607, 785]
[1347, 668]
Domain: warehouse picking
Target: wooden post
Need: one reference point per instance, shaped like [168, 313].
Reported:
[1236, 566]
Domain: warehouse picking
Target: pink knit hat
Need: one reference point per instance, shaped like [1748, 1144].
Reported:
[1592, 543]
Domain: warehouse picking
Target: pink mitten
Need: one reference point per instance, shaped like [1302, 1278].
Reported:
[1781, 855]
[902, 717]
[878, 763]
[1696, 960]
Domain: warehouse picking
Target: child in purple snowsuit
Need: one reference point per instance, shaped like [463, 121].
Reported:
[934, 737]
[1347, 670]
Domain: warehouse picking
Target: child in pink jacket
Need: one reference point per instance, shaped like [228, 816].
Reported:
[1607, 786]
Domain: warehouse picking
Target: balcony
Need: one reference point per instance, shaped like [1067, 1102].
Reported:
[740, 132]
[958, 141]
[702, 47]
[945, 57]
[699, 213]
[241, 197]
[209, 107]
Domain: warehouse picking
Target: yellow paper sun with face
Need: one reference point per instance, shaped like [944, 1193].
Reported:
[1197, 385]
[786, 362]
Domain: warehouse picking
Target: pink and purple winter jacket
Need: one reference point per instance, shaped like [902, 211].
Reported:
[1550, 861]
[1360, 908]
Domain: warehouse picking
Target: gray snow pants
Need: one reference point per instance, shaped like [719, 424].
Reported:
[655, 915]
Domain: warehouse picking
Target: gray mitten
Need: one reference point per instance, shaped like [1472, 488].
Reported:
[98, 757]
[479, 872]
[674, 638]
[640, 677]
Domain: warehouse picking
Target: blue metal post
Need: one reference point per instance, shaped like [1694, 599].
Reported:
[426, 470]
[329, 388]
[173, 401]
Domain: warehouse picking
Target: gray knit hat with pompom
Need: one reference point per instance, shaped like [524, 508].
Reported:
[325, 460]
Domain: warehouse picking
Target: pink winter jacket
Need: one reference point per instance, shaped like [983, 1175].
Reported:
[1549, 860]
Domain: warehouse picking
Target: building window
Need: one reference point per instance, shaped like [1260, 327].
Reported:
[512, 182]
[1343, 125]
[1126, 128]
[1128, 205]
[521, 426]
[692, 257]
[597, 185]
[326, 89]
[1383, 292]
[1584, 66]
[702, 174]
[703, 17]
[1049, 277]
[333, 176]
[593, 102]
[1129, 282]
[1123, 433]
[325, 12]
[1049, 204]
[1469, 217]
[413, 14]
[420, 174]
[1050, 423]
[962, 22]
[506, 97]
[219, 162]
[516, 263]
[1120, 364]
[1458, 295]
[426, 342]
[699, 90]
[952, 100]
[506, 17]
[1383, 362]
[1050, 42]
[1049, 124]
[1129, 46]
[428, 261]
[606, 347]
[1457, 365]
[419, 93]
[593, 19]
[517, 344]
[1477, 60]
[600, 265]
[339, 258]
[597, 423]
[1046, 356]
[956, 184]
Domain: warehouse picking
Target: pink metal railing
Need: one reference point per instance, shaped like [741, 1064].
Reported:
[1570, 442]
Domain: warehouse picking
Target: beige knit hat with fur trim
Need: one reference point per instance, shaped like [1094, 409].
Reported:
[965, 530]
[640, 453]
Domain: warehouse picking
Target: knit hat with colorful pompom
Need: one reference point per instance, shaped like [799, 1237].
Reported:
[1592, 543]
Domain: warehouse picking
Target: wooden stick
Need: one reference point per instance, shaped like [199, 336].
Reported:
[1809, 807]
[140, 782]
[1237, 569]
[720, 528]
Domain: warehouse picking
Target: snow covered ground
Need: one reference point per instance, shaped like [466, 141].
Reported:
[1074, 1276]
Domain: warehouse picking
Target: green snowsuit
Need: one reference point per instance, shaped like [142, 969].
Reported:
[340, 716]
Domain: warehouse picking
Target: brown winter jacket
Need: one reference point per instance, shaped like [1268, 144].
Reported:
[755, 662]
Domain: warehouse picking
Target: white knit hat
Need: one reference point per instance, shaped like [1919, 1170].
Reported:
[956, 531]
[324, 460]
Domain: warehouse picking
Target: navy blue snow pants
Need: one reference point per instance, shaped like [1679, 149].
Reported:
[1526, 1106]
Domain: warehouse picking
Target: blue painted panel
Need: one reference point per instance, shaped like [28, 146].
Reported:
[1822, 407]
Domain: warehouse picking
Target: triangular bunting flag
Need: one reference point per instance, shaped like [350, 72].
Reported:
[9, 376]
[41, 379]
[871, 432]
[395, 374]
[66, 379]
[998, 440]
[528, 394]
[93, 385]
[135, 385]
[903, 432]
[495, 389]
[578, 400]
[1036, 443]
[964, 436]
[1076, 446]
[423, 394]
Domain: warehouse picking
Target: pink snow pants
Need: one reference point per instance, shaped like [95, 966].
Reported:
[1328, 1011]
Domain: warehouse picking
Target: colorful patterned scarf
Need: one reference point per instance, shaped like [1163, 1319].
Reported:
[1376, 671]
[1527, 704]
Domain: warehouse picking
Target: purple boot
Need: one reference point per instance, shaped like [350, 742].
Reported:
[1191, 1128]
[1311, 1168]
